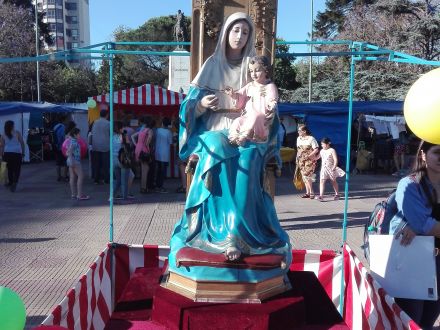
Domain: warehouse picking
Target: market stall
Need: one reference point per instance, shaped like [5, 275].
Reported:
[151, 100]
[28, 119]
[147, 100]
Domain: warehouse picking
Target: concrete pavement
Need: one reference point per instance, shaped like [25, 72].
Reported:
[47, 240]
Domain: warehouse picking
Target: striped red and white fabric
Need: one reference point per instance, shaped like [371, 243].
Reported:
[89, 305]
[143, 95]
[326, 264]
[129, 257]
[367, 305]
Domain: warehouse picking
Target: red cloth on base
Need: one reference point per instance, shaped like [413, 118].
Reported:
[133, 325]
[306, 307]
[137, 298]
[195, 257]
[177, 312]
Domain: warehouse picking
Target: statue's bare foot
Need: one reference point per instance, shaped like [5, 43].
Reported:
[232, 253]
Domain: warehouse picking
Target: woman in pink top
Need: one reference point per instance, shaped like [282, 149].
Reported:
[142, 151]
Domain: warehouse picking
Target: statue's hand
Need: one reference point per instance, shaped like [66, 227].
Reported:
[270, 113]
[209, 101]
[272, 104]
[229, 91]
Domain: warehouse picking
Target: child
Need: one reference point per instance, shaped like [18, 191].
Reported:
[259, 99]
[329, 168]
[74, 164]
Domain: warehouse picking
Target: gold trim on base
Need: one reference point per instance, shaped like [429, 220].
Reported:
[226, 292]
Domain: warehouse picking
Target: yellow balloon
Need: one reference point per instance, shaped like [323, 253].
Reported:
[422, 107]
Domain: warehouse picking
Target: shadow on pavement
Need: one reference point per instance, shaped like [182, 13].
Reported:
[334, 221]
[26, 240]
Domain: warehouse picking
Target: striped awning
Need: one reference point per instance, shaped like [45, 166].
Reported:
[143, 95]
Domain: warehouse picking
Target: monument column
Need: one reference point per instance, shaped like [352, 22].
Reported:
[179, 66]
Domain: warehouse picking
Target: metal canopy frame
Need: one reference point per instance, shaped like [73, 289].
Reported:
[358, 51]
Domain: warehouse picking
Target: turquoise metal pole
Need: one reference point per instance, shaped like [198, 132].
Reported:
[347, 179]
[111, 146]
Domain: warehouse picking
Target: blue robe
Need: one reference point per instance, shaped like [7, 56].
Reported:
[226, 204]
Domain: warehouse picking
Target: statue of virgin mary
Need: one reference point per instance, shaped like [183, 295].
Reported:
[227, 209]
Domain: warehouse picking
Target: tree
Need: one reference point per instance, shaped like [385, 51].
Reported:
[331, 21]
[43, 28]
[419, 31]
[133, 70]
[17, 39]
[62, 83]
[284, 70]
[411, 27]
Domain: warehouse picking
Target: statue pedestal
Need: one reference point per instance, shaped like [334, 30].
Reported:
[178, 74]
[226, 292]
[193, 267]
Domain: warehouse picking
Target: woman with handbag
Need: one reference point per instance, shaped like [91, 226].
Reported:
[13, 152]
[308, 150]
[142, 152]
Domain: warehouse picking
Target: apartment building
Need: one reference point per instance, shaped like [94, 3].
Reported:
[69, 23]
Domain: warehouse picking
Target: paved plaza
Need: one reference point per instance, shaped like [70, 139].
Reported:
[47, 240]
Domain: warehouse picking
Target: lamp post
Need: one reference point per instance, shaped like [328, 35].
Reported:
[311, 51]
[37, 52]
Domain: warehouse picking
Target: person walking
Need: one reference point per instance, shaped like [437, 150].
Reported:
[329, 169]
[306, 157]
[164, 138]
[101, 148]
[12, 152]
[75, 168]
[59, 134]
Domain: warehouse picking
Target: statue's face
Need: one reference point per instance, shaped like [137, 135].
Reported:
[238, 35]
[258, 73]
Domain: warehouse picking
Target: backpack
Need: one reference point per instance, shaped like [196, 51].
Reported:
[125, 156]
[379, 220]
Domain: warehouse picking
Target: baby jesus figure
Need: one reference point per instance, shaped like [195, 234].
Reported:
[259, 100]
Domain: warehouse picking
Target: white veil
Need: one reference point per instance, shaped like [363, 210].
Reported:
[217, 73]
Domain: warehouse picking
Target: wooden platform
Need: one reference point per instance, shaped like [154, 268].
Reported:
[225, 292]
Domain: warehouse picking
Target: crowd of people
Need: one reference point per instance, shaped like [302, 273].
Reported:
[143, 151]
[375, 151]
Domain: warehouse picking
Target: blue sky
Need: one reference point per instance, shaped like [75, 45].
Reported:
[106, 15]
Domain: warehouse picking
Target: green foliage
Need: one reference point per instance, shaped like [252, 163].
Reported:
[130, 70]
[284, 70]
[61, 83]
[408, 26]
[331, 21]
